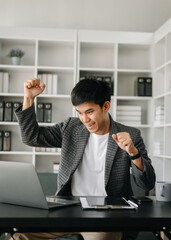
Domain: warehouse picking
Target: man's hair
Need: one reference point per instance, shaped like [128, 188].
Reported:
[90, 90]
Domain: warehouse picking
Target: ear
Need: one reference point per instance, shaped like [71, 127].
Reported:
[106, 106]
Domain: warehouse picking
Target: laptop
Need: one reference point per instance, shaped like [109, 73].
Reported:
[20, 185]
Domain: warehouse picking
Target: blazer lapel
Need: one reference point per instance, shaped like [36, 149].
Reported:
[111, 150]
[82, 138]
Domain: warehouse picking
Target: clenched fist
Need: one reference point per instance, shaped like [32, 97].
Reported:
[124, 141]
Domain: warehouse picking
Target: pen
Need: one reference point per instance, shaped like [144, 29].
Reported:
[133, 204]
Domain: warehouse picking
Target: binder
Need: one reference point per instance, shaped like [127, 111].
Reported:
[7, 141]
[48, 112]
[8, 112]
[40, 112]
[141, 86]
[148, 87]
[1, 140]
[15, 106]
[1, 111]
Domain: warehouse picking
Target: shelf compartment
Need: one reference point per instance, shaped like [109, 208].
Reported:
[65, 81]
[131, 56]
[105, 75]
[97, 55]
[28, 46]
[44, 163]
[16, 142]
[56, 54]
[146, 107]
[127, 83]
[17, 77]
[61, 108]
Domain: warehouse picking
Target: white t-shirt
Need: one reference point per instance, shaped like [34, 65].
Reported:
[88, 179]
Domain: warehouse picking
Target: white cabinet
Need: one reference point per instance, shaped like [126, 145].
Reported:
[162, 102]
[118, 57]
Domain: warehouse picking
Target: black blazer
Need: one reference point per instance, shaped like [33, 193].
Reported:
[72, 136]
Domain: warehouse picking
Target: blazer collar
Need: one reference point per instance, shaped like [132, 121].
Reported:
[111, 149]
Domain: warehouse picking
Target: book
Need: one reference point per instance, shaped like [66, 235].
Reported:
[49, 84]
[8, 112]
[7, 141]
[40, 112]
[15, 106]
[2, 111]
[148, 87]
[6, 82]
[1, 140]
[141, 86]
[48, 112]
[55, 84]
[1, 82]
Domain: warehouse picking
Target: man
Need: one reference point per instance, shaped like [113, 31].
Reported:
[97, 152]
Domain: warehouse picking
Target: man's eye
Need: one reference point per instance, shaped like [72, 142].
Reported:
[89, 112]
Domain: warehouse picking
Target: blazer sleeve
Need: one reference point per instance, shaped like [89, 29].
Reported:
[146, 178]
[36, 136]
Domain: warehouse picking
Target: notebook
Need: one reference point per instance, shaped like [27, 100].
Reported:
[102, 203]
[20, 185]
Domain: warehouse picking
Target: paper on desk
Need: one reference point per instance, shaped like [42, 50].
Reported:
[85, 205]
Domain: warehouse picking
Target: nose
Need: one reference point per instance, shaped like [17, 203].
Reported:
[85, 118]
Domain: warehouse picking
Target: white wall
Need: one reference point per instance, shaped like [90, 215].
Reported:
[124, 15]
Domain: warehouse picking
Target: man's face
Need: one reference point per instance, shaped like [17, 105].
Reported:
[95, 118]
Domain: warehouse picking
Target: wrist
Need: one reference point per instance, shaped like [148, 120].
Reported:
[135, 156]
[27, 102]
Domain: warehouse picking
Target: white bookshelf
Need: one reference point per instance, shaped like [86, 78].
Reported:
[71, 54]
[162, 97]
[47, 51]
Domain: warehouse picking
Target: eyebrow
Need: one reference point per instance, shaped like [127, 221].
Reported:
[90, 109]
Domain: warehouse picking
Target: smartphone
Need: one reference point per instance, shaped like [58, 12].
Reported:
[141, 199]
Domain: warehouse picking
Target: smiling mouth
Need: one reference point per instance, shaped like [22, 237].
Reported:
[90, 126]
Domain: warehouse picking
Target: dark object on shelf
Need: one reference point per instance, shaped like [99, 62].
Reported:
[1, 111]
[48, 112]
[40, 112]
[15, 106]
[148, 87]
[7, 141]
[144, 86]
[1, 140]
[8, 112]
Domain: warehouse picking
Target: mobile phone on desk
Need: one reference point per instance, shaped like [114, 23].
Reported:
[141, 199]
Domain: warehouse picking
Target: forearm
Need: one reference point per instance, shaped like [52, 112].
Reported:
[27, 102]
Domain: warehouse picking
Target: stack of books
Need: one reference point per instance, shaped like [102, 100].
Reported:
[158, 148]
[51, 82]
[159, 115]
[129, 115]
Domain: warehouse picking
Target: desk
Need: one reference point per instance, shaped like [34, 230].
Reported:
[154, 216]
